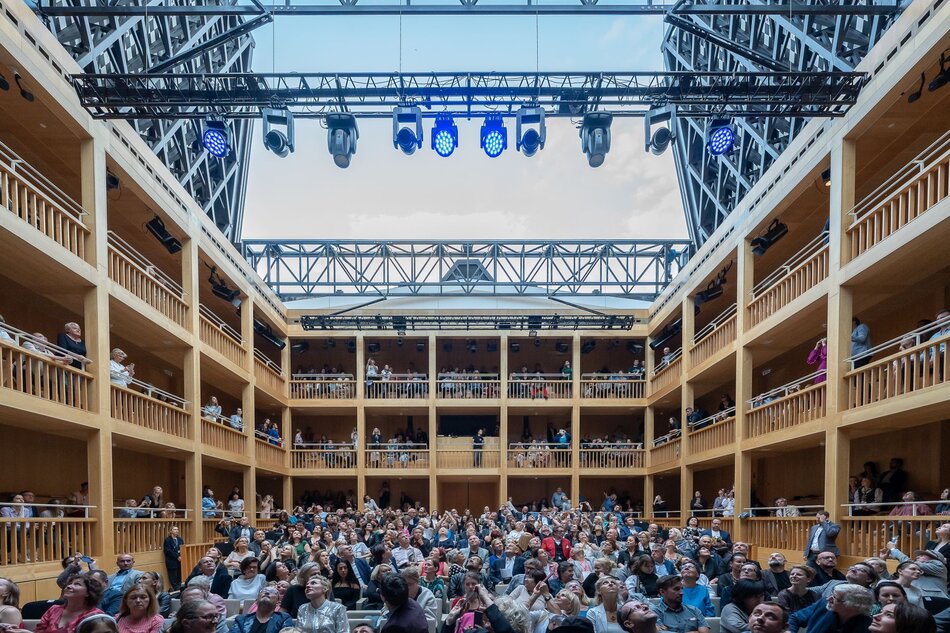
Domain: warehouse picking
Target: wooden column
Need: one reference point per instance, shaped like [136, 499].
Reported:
[99, 476]
[193, 483]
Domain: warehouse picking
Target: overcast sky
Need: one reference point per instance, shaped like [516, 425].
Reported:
[385, 194]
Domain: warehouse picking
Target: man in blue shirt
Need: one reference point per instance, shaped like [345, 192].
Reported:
[119, 583]
[695, 594]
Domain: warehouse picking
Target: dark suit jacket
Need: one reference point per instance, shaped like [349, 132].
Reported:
[722, 533]
[235, 533]
[826, 542]
[818, 619]
[362, 568]
[409, 618]
[172, 550]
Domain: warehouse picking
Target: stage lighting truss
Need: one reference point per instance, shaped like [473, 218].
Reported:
[595, 137]
[445, 136]
[657, 141]
[216, 138]
[407, 129]
[720, 136]
[280, 142]
[530, 131]
[342, 135]
[494, 136]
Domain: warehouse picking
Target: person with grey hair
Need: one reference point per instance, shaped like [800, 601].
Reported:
[847, 608]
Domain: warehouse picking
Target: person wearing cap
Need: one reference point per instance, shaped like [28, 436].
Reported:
[673, 613]
[933, 582]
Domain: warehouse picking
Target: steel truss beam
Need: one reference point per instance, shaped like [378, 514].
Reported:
[623, 268]
[711, 186]
[107, 8]
[696, 94]
[133, 44]
[402, 324]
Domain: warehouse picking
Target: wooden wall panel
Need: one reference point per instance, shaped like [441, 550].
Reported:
[474, 495]
[136, 473]
[921, 448]
[793, 474]
[336, 427]
[593, 488]
[26, 464]
[525, 490]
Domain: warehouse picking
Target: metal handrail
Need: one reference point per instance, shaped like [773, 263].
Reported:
[808, 251]
[789, 388]
[45, 505]
[461, 377]
[916, 334]
[151, 510]
[259, 355]
[149, 390]
[806, 507]
[20, 337]
[140, 261]
[217, 321]
[398, 377]
[319, 377]
[913, 503]
[674, 356]
[527, 445]
[538, 376]
[920, 163]
[727, 314]
[594, 376]
[70, 206]
[717, 417]
[224, 420]
[587, 446]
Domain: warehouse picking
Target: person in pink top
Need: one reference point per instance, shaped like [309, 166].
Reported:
[82, 593]
[138, 612]
[908, 509]
[819, 355]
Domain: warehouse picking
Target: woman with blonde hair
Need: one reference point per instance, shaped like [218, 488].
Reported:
[138, 612]
[321, 614]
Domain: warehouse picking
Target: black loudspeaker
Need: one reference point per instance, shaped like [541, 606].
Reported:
[156, 227]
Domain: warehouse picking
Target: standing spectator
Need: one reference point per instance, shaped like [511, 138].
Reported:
[821, 537]
[860, 343]
[237, 420]
[172, 551]
[120, 374]
[819, 356]
[212, 410]
[236, 504]
[478, 443]
[893, 481]
[208, 505]
[71, 341]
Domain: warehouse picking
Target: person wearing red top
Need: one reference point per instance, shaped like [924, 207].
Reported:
[557, 547]
[82, 593]
[138, 612]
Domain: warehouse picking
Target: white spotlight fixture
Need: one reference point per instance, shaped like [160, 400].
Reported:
[595, 137]
[281, 142]
[342, 134]
[657, 141]
[530, 132]
[407, 129]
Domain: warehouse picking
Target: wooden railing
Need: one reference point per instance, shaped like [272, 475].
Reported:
[191, 553]
[267, 453]
[323, 387]
[31, 197]
[867, 536]
[268, 373]
[609, 386]
[913, 190]
[136, 274]
[467, 459]
[773, 533]
[798, 407]
[399, 457]
[207, 532]
[37, 374]
[221, 337]
[43, 540]
[720, 432]
[909, 370]
[330, 457]
[219, 434]
[802, 272]
[538, 455]
[468, 386]
[668, 373]
[398, 386]
[622, 455]
[146, 535]
[539, 386]
[666, 452]
[713, 337]
[150, 412]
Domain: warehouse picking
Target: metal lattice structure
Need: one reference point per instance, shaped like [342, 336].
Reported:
[712, 186]
[103, 43]
[630, 269]
[802, 94]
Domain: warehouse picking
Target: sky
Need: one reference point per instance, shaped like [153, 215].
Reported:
[387, 195]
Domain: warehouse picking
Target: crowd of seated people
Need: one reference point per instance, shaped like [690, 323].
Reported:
[383, 383]
[327, 382]
[872, 492]
[467, 382]
[534, 566]
[605, 383]
[399, 450]
[34, 374]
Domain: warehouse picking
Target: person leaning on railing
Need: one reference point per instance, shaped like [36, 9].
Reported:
[120, 375]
